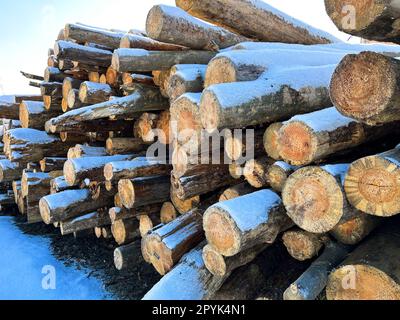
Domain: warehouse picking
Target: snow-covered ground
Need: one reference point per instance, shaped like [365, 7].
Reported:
[28, 270]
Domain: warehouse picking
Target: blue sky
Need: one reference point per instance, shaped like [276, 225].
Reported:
[29, 27]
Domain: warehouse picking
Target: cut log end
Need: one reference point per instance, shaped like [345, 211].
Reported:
[302, 245]
[126, 192]
[296, 143]
[119, 260]
[363, 85]
[233, 148]
[369, 284]
[69, 173]
[313, 199]
[215, 262]
[154, 25]
[220, 70]
[209, 110]
[271, 140]
[255, 173]
[372, 186]
[168, 213]
[45, 211]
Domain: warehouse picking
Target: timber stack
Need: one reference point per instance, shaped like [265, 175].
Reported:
[222, 130]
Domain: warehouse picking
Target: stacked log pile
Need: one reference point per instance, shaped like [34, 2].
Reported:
[211, 142]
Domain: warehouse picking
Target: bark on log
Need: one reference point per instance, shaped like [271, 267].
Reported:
[82, 54]
[77, 170]
[132, 78]
[376, 20]
[278, 173]
[83, 151]
[54, 75]
[9, 110]
[70, 204]
[140, 42]
[303, 245]
[370, 272]
[125, 231]
[184, 206]
[313, 281]
[51, 88]
[372, 184]
[125, 256]
[140, 192]
[256, 172]
[167, 245]
[367, 72]
[286, 94]
[168, 213]
[236, 192]
[125, 145]
[314, 198]
[92, 93]
[59, 184]
[174, 25]
[85, 222]
[52, 164]
[37, 185]
[140, 60]
[33, 114]
[9, 171]
[229, 229]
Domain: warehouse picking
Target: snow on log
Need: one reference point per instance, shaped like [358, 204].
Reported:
[372, 184]
[59, 184]
[239, 224]
[140, 42]
[140, 60]
[83, 151]
[85, 222]
[365, 87]
[255, 19]
[315, 199]
[313, 281]
[92, 93]
[70, 204]
[285, 94]
[52, 164]
[77, 170]
[33, 114]
[174, 25]
[371, 271]
[9, 171]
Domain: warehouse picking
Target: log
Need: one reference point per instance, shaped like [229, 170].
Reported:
[125, 231]
[287, 93]
[140, 192]
[52, 164]
[355, 230]
[34, 186]
[54, 75]
[189, 280]
[66, 65]
[52, 103]
[242, 65]
[142, 101]
[174, 25]
[278, 173]
[313, 281]
[7, 199]
[77, 170]
[125, 145]
[139, 167]
[32, 76]
[51, 88]
[70, 204]
[163, 129]
[167, 244]
[113, 78]
[92, 93]
[315, 199]
[372, 184]
[84, 151]
[370, 272]
[229, 229]
[236, 192]
[140, 60]
[147, 223]
[100, 127]
[118, 213]
[59, 184]
[85, 222]
[9, 171]
[184, 206]
[141, 42]
[375, 20]
[168, 213]
[244, 145]
[69, 84]
[255, 19]
[82, 54]
[34, 115]
[304, 139]
[73, 100]
[132, 78]
[187, 187]
[125, 256]
[145, 127]
[9, 110]
[256, 172]
[303, 245]
[381, 103]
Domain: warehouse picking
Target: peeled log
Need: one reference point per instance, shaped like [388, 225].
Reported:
[83, 54]
[136, 168]
[313, 281]
[315, 200]
[140, 42]
[86, 222]
[304, 139]
[255, 19]
[34, 115]
[375, 20]
[303, 245]
[140, 192]
[372, 184]
[371, 73]
[171, 24]
[70, 204]
[166, 245]
[146, 99]
[139, 60]
[239, 224]
[371, 271]
[77, 170]
[287, 93]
